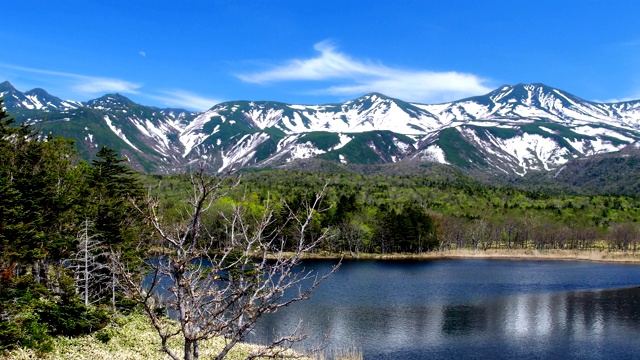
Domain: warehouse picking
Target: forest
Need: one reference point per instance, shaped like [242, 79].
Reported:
[73, 233]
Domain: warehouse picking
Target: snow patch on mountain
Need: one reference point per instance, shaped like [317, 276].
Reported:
[243, 152]
[303, 151]
[593, 131]
[432, 153]
[162, 144]
[342, 159]
[192, 135]
[592, 147]
[344, 140]
[118, 132]
[264, 118]
[533, 151]
[282, 144]
[35, 102]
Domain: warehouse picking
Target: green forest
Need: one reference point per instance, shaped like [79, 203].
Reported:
[62, 220]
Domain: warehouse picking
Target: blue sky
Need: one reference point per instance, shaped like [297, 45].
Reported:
[194, 54]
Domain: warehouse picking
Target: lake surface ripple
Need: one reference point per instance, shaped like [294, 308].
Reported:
[472, 309]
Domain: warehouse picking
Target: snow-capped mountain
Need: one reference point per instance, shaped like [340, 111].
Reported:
[511, 130]
[36, 99]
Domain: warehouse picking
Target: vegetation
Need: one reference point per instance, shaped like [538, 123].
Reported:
[76, 243]
[43, 195]
[76, 238]
[220, 281]
[129, 337]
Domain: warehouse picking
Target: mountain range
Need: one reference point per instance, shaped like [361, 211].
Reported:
[513, 130]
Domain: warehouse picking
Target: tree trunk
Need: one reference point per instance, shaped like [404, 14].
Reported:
[187, 350]
[44, 273]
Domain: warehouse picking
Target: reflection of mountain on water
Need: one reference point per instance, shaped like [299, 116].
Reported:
[580, 324]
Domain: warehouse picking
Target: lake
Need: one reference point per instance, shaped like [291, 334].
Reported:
[472, 309]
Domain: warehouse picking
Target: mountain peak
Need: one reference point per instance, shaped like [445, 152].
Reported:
[115, 97]
[373, 95]
[113, 101]
[38, 92]
[6, 86]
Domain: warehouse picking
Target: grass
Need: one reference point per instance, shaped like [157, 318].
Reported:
[127, 338]
[131, 337]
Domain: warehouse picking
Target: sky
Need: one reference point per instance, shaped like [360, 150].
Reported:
[194, 54]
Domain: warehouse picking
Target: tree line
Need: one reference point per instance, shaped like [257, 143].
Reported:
[414, 214]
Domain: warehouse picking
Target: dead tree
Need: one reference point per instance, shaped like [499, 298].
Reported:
[217, 290]
[89, 267]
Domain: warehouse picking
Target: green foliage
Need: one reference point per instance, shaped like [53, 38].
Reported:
[65, 314]
[45, 194]
[457, 150]
[111, 186]
[418, 208]
[367, 148]
[499, 132]
[33, 313]
[321, 139]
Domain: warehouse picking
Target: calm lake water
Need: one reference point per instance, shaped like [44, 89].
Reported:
[472, 309]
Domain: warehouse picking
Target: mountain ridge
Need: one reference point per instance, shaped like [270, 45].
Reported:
[512, 130]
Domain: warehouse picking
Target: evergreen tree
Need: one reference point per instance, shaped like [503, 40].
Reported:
[109, 192]
[38, 190]
[36, 194]
[111, 187]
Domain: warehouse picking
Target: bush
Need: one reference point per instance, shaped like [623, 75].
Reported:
[31, 314]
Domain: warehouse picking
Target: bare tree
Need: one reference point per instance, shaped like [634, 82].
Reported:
[221, 287]
[353, 234]
[451, 232]
[479, 232]
[88, 266]
[623, 236]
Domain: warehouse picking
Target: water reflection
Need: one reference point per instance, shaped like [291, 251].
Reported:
[463, 320]
[559, 324]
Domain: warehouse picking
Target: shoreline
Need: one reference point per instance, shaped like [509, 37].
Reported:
[517, 254]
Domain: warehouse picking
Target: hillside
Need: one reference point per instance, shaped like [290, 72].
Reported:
[511, 131]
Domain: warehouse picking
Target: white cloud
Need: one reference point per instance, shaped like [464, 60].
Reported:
[94, 85]
[329, 65]
[98, 85]
[86, 85]
[617, 100]
[184, 99]
[362, 77]
[142, 53]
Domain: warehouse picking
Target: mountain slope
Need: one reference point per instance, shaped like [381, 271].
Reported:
[511, 130]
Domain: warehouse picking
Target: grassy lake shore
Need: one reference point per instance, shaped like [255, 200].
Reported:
[131, 337]
[526, 254]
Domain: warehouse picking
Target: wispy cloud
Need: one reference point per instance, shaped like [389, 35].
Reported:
[634, 97]
[185, 99]
[94, 85]
[83, 84]
[357, 77]
[630, 43]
